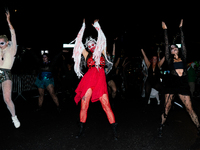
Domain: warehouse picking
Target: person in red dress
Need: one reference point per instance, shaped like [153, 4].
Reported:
[93, 84]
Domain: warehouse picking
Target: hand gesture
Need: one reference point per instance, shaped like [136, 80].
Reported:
[7, 15]
[181, 24]
[96, 20]
[164, 25]
[83, 20]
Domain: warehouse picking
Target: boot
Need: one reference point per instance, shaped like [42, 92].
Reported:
[114, 128]
[160, 130]
[81, 129]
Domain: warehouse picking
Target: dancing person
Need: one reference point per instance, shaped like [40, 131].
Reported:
[177, 83]
[8, 50]
[45, 79]
[93, 84]
[109, 76]
[153, 79]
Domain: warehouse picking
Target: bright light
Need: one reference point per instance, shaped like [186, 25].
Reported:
[44, 51]
[68, 45]
[179, 45]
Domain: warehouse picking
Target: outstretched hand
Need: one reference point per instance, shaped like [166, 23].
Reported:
[164, 25]
[7, 15]
[96, 20]
[181, 24]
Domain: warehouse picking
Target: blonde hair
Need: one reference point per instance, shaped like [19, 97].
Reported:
[4, 37]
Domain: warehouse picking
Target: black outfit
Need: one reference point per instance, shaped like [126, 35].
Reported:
[176, 84]
[153, 81]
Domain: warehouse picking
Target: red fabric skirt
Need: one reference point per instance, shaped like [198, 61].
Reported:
[94, 79]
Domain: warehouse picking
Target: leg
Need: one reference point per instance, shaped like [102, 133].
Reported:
[84, 105]
[147, 91]
[7, 89]
[41, 97]
[111, 118]
[83, 112]
[50, 88]
[111, 84]
[187, 102]
[106, 107]
[168, 102]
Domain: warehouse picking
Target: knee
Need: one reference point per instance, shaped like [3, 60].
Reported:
[189, 110]
[41, 95]
[106, 107]
[167, 107]
[84, 108]
[7, 100]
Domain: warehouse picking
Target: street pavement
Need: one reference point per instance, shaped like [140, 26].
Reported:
[137, 127]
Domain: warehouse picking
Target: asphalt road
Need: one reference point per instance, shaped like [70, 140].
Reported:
[137, 129]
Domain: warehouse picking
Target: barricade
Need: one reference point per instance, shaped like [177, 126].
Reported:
[22, 83]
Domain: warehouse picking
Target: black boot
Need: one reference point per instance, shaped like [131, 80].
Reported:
[160, 130]
[114, 128]
[81, 129]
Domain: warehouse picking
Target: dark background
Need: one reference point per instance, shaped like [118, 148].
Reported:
[49, 25]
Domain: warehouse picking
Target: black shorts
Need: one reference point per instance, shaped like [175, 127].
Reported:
[177, 85]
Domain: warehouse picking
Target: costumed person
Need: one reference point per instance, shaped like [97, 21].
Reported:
[112, 89]
[177, 83]
[45, 79]
[93, 84]
[153, 79]
[8, 51]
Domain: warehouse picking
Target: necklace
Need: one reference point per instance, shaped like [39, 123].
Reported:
[2, 54]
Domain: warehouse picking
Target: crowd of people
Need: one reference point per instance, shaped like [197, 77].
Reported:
[93, 73]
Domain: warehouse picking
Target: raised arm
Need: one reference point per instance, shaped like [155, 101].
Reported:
[160, 63]
[147, 62]
[100, 47]
[166, 41]
[12, 31]
[183, 48]
[78, 50]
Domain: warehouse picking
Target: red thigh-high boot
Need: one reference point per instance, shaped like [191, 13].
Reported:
[83, 112]
[111, 118]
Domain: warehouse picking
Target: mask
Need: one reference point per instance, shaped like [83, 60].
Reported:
[91, 46]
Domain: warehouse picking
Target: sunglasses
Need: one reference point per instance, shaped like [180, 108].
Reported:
[2, 43]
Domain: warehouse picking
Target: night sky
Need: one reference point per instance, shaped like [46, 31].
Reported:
[49, 25]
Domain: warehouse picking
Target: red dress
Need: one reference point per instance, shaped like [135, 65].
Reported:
[94, 79]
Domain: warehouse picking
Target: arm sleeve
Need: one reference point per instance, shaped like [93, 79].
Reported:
[77, 51]
[166, 45]
[101, 47]
[183, 48]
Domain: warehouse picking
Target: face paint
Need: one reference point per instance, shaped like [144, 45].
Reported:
[91, 46]
[174, 49]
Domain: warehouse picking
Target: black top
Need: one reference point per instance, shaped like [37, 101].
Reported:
[153, 75]
[178, 65]
[170, 58]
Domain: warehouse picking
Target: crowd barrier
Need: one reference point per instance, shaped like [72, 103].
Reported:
[22, 83]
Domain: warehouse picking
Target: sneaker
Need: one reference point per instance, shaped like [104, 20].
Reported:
[16, 122]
